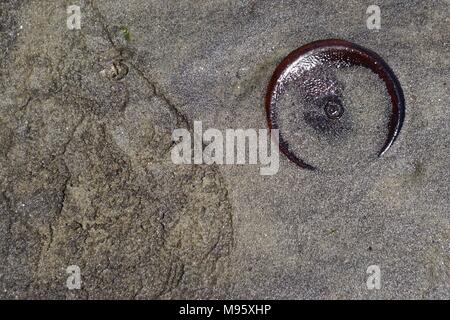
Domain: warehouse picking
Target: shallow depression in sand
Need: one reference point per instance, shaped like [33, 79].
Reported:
[330, 143]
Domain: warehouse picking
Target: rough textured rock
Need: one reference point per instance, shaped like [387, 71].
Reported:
[86, 174]
[86, 177]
